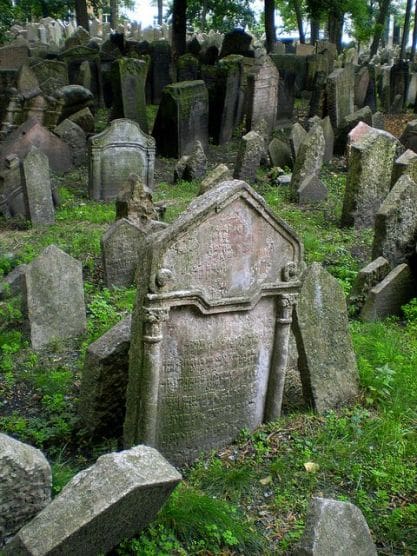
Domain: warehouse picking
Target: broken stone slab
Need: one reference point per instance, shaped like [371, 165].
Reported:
[83, 118]
[327, 361]
[13, 283]
[25, 485]
[405, 164]
[335, 528]
[220, 173]
[193, 166]
[367, 278]
[104, 381]
[112, 500]
[396, 223]
[387, 298]
[378, 121]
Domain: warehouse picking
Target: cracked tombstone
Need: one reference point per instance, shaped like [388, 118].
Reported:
[210, 332]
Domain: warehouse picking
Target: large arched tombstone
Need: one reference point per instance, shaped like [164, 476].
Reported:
[210, 332]
[120, 150]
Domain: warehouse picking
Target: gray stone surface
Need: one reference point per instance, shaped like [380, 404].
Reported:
[405, 164]
[75, 136]
[104, 381]
[114, 154]
[263, 96]
[55, 297]
[367, 278]
[396, 223]
[193, 166]
[128, 84]
[308, 163]
[340, 95]
[327, 361]
[211, 326]
[220, 173]
[311, 190]
[37, 191]
[13, 283]
[348, 123]
[378, 120]
[25, 485]
[409, 136]
[249, 156]
[110, 501]
[280, 153]
[83, 118]
[335, 528]
[387, 297]
[297, 136]
[371, 157]
[135, 202]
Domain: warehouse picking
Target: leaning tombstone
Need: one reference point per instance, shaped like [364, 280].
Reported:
[262, 96]
[112, 500]
[340, 92]
[327, 363]
[182, 119]
[25, 485]
[297, 136]
[396, 223]
[135, 202]
[128, 83]
[307, 166]
[335, 527]
[114, 154]
[211, 326]
[104, 381]
[348, 123]
[76, 138]
[249, 156]
[54, 297]
[366, 279]
[36, 186]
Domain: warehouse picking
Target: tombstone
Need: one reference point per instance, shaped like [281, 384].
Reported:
[311, 190]
[114, 154]
[328, 133]
[297, 136]
[318, 100]
[33, 134]
[409, 136]
[263, 96]
[249, 156]
[80, 37]
[387, 297]
[13, 283]
[12, 202]
[366, 279]
[110, 501]
[399, 78]
[182, 119]
[327, 363]
[54, 297]
[160, 69]
[304, 49]
[347, 124]
[334, 527]
[104, 381]
[406, 164]
[378, 120]
[193, 166]
[51, 74]
[72, 134]
[135, 202]
[188, 68]
[129, 78]
[362, 79]
[371, 157]
[84, 119]
[14, 55]
[26, 480]
[220, 173]
[75, 98]
[412, 90]
[37, 191]
[308, 165]
[74, 58]
[340, 91]
[211, 327]
[286, 94]
[280, 153]
[396, 223]
[26, 82]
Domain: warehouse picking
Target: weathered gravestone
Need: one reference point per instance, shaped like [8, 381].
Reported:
[409, 136]
[76, 138]
[191, 166]
[182, 119]
[54, 297]
[396, 223]
[366, 279]
[110, 501]
[280, 153]
[370, 160]
[305, 183]
[406, 164]
[327, 363]
[160, 70]
[36, 185]
[212, 321]
[348, 123]
[220, 173]
[335, 528]
[13, 55]
[128, 83]
[249, 156]
[262, 96]
[340, 91]
[297, 136]
[25, 485]
[104, 381]
[114, 154]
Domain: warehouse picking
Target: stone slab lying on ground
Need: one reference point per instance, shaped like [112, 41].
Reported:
[25, 484]
[112, 500]
[335, 528]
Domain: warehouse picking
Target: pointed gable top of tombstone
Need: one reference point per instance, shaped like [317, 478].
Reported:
[227, 248]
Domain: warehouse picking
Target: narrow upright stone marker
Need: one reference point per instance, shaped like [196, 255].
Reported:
[37, 188]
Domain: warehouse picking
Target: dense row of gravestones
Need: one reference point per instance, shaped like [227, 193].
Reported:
[223, 296]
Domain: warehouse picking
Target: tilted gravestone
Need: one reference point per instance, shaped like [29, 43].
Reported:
[36, 186]
[263, 96]
[249, 156]
[54, 297]
[76, 138]
[371, 155]
[327, 363]
[406, 164]
[25, 485]
[212, 321]
[305, 184]
[128, 83]
[366, 279]
[182, 119]
[396, 223]
[110, 501]
[114, 154]
[340, 93]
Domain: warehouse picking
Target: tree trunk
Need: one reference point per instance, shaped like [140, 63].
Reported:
[335, 29]
[179, 28]
[315, 30]
[406, 30]
[81, 13]
[160, 10]
[379, 26]
[299, 16]
[114, 14]
[270, 25]
[203, 17]
[414, 44]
